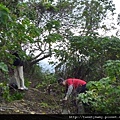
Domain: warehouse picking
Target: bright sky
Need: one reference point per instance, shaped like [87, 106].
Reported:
[117, 11]
[117, 5]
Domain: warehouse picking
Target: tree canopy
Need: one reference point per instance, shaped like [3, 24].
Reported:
[69, 30]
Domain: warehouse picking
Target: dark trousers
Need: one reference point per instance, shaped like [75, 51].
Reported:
[76, 102]
[79, 104]
[81, 89]
[78, 90]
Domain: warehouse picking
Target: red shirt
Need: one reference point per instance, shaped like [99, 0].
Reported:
[75, 82]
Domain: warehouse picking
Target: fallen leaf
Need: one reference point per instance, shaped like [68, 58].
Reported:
[32, 112]
[17, 111]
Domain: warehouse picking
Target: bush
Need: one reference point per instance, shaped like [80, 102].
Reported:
[16, 95]
[103, 95]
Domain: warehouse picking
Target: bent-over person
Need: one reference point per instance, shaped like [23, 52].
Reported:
[73, 84]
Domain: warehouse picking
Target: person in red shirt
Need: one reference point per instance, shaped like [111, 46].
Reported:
[73, 84]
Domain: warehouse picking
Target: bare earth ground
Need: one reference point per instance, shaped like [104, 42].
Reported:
[35, 101]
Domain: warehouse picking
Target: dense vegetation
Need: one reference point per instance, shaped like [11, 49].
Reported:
[69, 31]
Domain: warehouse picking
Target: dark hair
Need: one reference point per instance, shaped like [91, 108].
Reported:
[60, 80]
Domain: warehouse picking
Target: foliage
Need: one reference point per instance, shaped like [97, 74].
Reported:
[3, 67]
[7, 95]
[112, 69]
[82, 45]
[38, 25]
[36, 71]
[4, 15]
[17, 96]
[103, 95]
[47, 79]
[85, 56]
[20, 27]
[13, 33]
[44, 104]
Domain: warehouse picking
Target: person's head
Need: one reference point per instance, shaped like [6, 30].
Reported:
[61, 81]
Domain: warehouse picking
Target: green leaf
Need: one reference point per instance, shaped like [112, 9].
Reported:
[3, 67]
[4, 14]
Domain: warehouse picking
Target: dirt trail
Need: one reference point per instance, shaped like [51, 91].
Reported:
[34, 102]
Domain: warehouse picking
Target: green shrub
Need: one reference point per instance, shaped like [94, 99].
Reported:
[7, 95]
[103, 95]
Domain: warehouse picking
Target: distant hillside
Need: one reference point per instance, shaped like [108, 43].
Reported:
[46, 66]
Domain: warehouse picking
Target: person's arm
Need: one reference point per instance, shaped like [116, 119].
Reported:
[69, 91]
